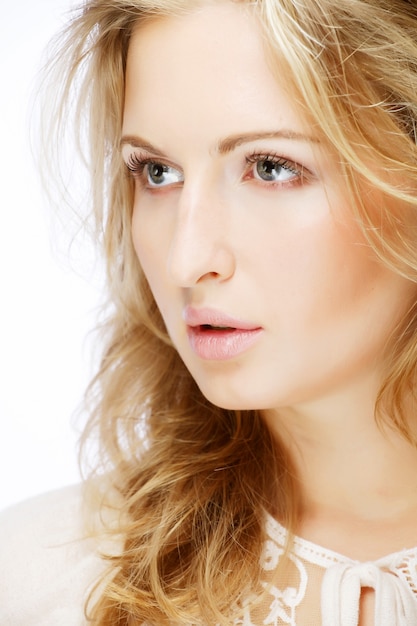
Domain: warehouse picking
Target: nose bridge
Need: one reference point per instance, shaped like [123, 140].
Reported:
[200, 246]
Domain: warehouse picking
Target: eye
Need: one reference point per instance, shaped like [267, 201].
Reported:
[273, 169]
[160, 175]
[153, 174]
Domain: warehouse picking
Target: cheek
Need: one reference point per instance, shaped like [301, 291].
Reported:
[322, 259]
[143, 242]
[151, 241]
[326, 285]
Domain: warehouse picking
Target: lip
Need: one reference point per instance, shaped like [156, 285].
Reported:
[228, 338]
[212, 317]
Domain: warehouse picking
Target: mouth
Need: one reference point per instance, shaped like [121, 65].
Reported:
[215, 336]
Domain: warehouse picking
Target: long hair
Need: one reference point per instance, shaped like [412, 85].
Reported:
[194, 479]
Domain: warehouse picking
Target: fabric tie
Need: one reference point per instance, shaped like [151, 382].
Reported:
[395, 604]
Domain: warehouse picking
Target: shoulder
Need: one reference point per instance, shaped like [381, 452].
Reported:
[50, 560]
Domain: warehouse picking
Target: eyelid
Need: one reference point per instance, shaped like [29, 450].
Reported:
[143, 157]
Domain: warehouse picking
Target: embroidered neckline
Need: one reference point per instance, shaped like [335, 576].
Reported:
[325, 557]
[288, 600]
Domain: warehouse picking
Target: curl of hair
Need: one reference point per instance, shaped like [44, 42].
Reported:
[195, 479]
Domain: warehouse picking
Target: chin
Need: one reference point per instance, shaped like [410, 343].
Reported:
[232, 400]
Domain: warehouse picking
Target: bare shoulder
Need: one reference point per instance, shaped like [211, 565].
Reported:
[50, 560]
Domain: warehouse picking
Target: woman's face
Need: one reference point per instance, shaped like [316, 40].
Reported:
[267, 288]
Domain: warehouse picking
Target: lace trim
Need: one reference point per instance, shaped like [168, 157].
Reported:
[406, 569]
[403, 563]
[393, 577]
[307, 550]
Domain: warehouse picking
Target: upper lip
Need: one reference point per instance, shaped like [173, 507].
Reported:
[212, 317]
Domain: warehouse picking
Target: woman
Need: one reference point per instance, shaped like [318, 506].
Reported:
[253, 169]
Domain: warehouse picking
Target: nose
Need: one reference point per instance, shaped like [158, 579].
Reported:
[201, 247]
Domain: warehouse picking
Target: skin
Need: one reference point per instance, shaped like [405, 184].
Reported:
[286, 257]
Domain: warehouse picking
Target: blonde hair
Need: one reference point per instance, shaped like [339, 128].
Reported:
[195, 479]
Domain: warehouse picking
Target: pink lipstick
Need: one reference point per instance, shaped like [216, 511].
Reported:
[215, 336]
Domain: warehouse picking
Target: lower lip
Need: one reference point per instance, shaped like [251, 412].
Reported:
[221, 345]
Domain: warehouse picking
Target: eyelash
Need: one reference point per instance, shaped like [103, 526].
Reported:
[136, 165]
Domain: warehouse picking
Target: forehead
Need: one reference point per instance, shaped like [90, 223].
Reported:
[208, 66]
[194, 45]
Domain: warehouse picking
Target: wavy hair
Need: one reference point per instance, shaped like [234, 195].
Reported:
[195, 479]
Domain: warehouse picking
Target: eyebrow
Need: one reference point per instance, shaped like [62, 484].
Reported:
[231, 143]
[137, 142]
[224, 146]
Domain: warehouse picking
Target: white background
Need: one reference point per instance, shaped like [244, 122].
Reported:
[46, 309]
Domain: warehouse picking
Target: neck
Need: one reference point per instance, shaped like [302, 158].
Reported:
[347, 466]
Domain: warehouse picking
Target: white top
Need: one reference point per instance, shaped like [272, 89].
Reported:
[49, 563]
